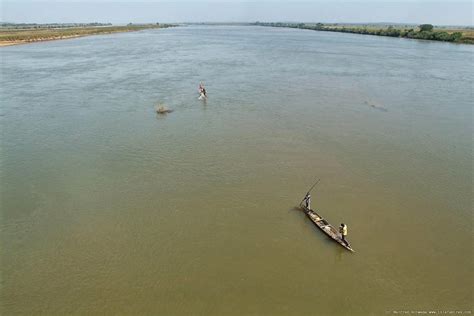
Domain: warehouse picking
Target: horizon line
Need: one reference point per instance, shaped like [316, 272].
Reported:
[244, 22]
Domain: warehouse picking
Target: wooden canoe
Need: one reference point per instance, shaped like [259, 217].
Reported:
[327, 228]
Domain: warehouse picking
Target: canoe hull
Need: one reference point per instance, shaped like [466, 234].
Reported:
[327, 228]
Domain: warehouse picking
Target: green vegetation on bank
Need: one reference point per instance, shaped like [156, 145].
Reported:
[424, 31]
[24, 33]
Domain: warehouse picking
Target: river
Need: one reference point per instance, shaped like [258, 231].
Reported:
[109, 208]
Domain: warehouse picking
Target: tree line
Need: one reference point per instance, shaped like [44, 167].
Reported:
[423, 31]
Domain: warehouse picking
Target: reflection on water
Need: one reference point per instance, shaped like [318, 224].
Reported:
[109, 208]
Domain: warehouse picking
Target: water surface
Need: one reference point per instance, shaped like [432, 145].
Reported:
[107, 208]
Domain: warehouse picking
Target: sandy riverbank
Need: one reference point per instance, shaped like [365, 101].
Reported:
[41, 39]
[9, 37]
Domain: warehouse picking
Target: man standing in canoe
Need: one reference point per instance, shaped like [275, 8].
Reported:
[307, 200]
[343, 231]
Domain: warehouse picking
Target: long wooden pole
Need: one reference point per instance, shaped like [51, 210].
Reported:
[310, 189]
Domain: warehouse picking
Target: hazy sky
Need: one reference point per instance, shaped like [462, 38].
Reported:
[117, 11]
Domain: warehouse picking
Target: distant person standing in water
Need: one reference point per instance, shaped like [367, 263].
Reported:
[343, 231]
[202, 91]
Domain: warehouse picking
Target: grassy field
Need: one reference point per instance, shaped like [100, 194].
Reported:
[12, 36]
[467, 34]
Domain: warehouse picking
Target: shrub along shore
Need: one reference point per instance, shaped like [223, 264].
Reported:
[424, 31]
[11, 34]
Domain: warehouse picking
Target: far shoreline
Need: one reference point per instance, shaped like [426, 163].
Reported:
[12, 37]
[421, 32]
[38, 40]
